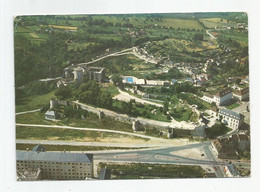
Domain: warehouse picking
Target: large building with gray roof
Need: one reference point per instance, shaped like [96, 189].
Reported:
[231, 118]
[57, 165]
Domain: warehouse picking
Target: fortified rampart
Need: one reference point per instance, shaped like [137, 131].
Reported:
[164, 127]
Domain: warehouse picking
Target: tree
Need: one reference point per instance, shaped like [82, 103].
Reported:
[238, 81]
[63, 93]
[88, 92]
[105, 100]
[165, 107]
[216, 130]
[117, 80]
[198, 37]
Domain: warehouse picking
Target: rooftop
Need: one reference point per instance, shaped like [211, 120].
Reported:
[96, 69]
[224, 92]
[39, 148]
[50, 113]
[243, 91]
[230, 113]
[53, 156]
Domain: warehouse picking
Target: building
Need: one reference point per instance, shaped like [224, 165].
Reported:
[241, 141]
[232, 119]
[174, 81]
[56, 165]
[231, 171]
[96, 73]
[242, 94]
[224, 148]
[157, 83]
[220, 98]
[190, 80]
[78, 74]
[208, 98]
[63, 82]
[50, 115]
[39, 148]
[199, 131]
[28, 174]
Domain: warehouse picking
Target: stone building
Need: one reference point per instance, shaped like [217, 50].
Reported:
[56, 165]
[78, 74]
[96, 73]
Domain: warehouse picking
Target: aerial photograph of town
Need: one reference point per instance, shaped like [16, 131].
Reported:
[132, 96]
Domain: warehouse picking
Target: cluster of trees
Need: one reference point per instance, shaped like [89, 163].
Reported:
[198, 37]
[63, 93]
[35, 61]
[173, 73]
[157, 170]
[216, 130]
[33, 88]
[91, 93]
[175, 89]
[70, 112]
[183, 114]
[192, 100]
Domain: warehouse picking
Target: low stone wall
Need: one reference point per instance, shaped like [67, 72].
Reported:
[145, 123]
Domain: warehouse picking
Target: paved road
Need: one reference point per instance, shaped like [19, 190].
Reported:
[164, 156]
[106, 56]
[96, 144]
[124, 96]
[24, 112]
[211, 36]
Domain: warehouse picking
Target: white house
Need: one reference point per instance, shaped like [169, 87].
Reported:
[220, 98]
[230, 118]
[51, 115]
[223, 96]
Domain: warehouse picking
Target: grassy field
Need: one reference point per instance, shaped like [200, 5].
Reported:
[34, 102]
[149, 171]
[64, 27]
[94, 122]
[44, 133]
[32, 118]
[180, 23]
[69, 147]
[112, 89]
[78, 46]
[233, 106]
[216, 22]
[90, 121]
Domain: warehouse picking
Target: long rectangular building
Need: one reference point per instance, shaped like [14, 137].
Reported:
[57, 165]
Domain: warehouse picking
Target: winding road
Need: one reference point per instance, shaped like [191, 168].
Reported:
[211, 36]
